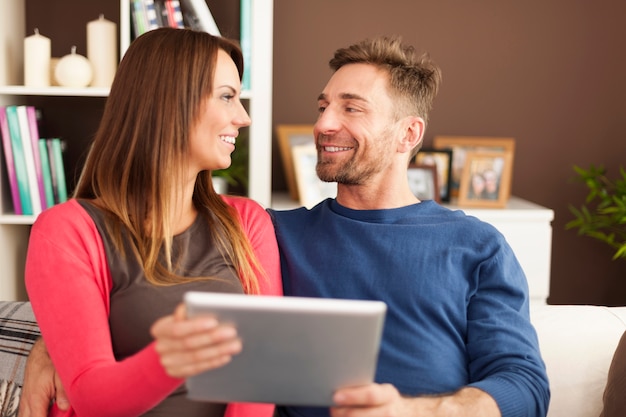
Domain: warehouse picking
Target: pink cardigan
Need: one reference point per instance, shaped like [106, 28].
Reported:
[68, 282]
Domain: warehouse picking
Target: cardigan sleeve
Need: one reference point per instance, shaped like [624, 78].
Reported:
[68, 283]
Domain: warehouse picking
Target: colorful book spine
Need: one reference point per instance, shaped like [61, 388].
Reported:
[246, 45]
[174, 14]
[151, 15]
[46, 173]
[19, 160]
[29, 157]
[161, 13]
[199, 16]
[55, 153]
[139, 19]
[8, 159]
[31, 114]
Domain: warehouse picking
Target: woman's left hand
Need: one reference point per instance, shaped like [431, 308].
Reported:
[189, 346]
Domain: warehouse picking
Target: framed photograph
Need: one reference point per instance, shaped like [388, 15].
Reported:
[423, 181]
[290, 136]
[460, 145]
[486, 180]
[311, 190]
[442, 159]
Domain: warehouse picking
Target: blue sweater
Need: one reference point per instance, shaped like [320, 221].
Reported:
[457, 298]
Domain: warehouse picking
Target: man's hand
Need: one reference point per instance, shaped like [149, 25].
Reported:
[385, 400]
[41, 384]
[190, 346]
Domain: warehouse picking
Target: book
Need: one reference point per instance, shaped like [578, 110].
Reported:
[246, 45]
[31, 114]
[150, 14]
[161, 13]
[197, 16]
[29, 158]
[174, 14]
[8, 159]
[138, 17]
[46, 173]
[19, 160]
[57, 168]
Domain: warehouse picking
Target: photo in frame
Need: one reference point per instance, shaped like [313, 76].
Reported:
[290, 136]
[311, 190]
[442, 159]
[486, 180]
[460, 145]
[423, 181]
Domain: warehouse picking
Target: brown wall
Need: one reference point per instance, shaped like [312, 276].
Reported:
[552, 74]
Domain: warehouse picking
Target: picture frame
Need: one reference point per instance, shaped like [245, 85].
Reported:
[423, 181]
[311, 190]
[442, 159]
[486, 180]
[460, 145]
[290, 136]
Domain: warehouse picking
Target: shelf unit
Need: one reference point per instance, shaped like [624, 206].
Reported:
[14, 229]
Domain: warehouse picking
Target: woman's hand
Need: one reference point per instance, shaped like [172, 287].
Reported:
[189, 346]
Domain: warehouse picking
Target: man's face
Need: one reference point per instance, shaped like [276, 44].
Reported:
[356, 130]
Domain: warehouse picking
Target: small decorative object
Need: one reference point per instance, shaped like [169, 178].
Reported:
[423, 181]
[486, 179]
[460, 145]
[36, 60]
[603, 215]
[53, 67]
[442, 160]
[290, 136]
[73, 70]
[102, 51]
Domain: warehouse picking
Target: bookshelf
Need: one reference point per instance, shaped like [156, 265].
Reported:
[74, 113]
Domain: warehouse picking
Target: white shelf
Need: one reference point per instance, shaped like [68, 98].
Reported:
[20, 90]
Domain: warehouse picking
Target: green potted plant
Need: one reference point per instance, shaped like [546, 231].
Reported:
[603, 215]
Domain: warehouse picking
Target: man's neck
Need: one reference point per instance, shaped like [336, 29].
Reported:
[385, 196]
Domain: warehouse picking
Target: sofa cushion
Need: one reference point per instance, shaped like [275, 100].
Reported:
[18, 332]
[577, 343]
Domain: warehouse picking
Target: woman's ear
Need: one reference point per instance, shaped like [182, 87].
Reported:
[413, 127]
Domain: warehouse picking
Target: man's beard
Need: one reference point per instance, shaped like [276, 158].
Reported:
[351, 172]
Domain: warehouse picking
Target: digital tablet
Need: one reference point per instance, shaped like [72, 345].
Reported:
[296, 350]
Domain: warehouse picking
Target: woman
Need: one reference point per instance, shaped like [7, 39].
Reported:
[145, 226]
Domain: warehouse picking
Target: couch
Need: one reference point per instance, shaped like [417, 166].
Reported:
[577, 344]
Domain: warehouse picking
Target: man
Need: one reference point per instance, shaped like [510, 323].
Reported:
[457, 339]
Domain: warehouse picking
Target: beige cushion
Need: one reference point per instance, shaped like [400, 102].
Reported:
[577, 344]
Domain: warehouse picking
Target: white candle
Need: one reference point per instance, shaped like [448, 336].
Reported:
[37, 60]
[102, 51]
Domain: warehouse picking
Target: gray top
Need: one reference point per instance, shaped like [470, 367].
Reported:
[136, 304]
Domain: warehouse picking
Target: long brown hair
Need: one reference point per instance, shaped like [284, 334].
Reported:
[139, 153]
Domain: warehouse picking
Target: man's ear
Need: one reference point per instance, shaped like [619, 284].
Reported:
[414, 127]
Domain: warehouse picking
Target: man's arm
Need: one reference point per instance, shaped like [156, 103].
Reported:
[384, 399]
[41, 384]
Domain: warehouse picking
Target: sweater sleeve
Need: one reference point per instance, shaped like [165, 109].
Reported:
[68, 283]
[502, 344]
